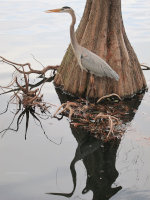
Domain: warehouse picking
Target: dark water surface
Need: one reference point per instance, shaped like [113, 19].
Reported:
[80, 167]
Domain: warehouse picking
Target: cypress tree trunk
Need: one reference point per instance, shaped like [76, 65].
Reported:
[101, 30]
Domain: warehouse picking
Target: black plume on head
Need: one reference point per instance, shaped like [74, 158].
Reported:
[66, 7]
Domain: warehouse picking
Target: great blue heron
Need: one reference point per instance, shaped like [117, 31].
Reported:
[87, 60]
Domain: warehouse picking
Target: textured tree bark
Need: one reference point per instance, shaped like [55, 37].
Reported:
[101, 30]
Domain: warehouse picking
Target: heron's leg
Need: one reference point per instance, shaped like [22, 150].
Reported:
[81, 78]
[92, 80]
[92, 86]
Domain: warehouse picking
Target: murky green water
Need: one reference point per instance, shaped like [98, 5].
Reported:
[81, 167]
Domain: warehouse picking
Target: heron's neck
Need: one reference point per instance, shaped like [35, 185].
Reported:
[74, 41]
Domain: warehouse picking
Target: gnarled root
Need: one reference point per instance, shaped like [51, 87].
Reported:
[111, 123]
[66, 106]
[107, 96]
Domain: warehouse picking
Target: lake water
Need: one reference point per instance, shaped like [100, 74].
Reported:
[80, 167]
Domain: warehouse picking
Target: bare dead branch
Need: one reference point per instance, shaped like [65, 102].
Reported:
[31, 71]
[37, 60]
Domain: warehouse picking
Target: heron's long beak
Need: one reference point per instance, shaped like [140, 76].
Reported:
[54, 10]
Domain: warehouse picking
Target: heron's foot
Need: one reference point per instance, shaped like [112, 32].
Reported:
[108, 96]
[68, 106]
[112, 121]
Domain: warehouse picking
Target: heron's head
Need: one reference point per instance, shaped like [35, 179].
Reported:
[64, 9]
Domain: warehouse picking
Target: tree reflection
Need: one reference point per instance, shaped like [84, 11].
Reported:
[99, 158]
[103, 175]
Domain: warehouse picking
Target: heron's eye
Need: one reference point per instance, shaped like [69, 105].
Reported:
[65, 7]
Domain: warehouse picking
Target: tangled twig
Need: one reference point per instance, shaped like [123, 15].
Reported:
[31, 70]
[145, 67]
[29, 100]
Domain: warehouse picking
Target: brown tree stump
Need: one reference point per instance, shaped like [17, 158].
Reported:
[101, 30]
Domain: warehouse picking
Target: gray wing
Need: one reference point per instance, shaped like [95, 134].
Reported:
[96, 65]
